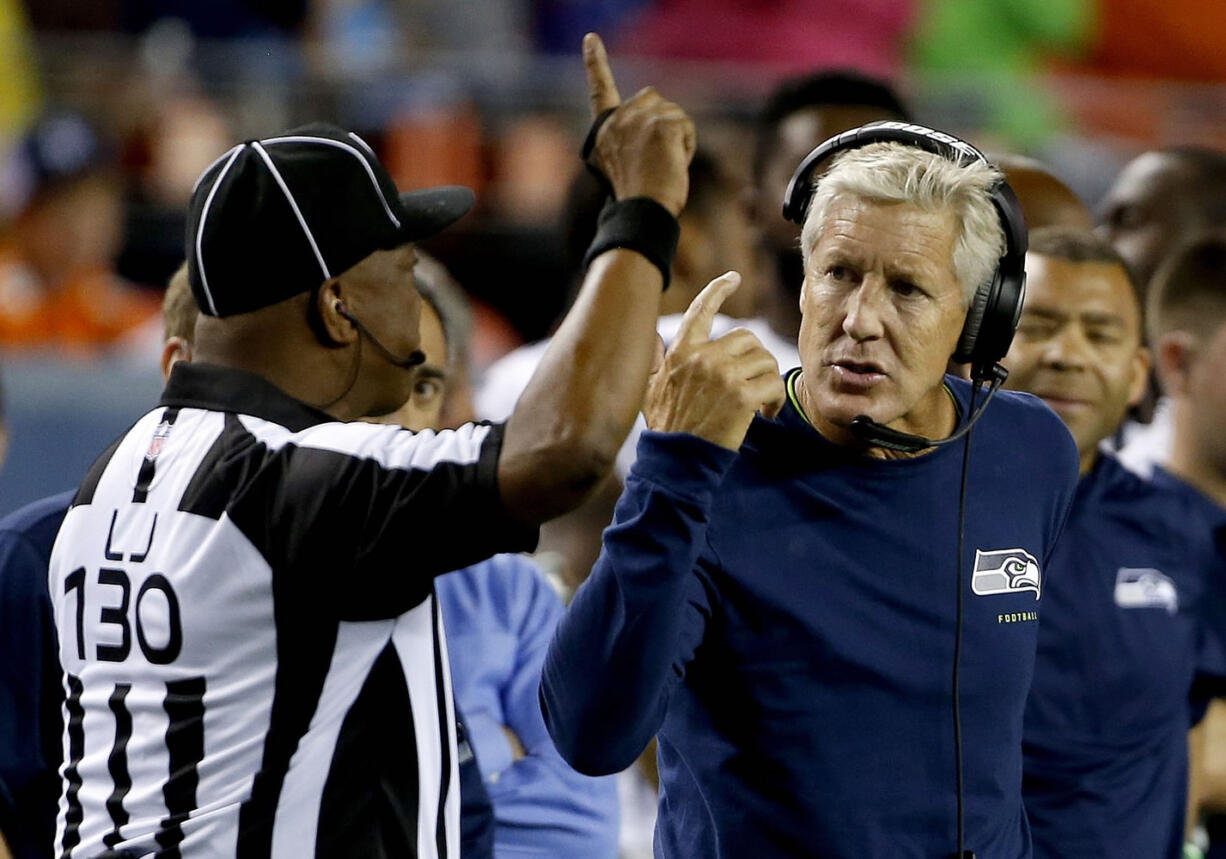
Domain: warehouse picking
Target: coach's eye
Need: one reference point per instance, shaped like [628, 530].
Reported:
[839, 273]
[905, 288]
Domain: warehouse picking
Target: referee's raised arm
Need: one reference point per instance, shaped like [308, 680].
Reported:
[575, 413]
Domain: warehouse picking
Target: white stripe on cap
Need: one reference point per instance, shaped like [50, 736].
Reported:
[328, 141]
[213, 164]
[293, 204]
[365, 146]
[204, 217]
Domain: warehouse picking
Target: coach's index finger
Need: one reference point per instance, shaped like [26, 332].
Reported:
[699, 316]
[600, 85]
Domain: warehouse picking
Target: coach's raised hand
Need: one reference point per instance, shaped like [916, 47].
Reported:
[712, 388]
[645, 146]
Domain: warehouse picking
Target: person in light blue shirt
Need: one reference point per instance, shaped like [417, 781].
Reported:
[499, 616]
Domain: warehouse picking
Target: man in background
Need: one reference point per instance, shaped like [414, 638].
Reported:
[1045, 200]
[1187, 326]
[1128, 591]
[64, 208]
[716, 236]
[1160, 199]
[498, 617]
[446, 299]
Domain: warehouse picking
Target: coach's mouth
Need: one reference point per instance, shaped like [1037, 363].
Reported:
[858, 374]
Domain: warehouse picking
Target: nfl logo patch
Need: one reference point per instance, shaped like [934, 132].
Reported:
[158, 440]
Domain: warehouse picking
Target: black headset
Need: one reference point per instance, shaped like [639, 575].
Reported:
[997, 305]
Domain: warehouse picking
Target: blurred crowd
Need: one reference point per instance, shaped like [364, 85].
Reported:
[1104, 114]
[108, 112]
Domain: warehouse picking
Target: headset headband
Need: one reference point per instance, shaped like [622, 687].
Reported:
[800, 188]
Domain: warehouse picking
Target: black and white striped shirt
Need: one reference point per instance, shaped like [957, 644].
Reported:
[254, 664]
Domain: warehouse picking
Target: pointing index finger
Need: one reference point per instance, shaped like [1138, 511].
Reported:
[699, 316]
[601, 88]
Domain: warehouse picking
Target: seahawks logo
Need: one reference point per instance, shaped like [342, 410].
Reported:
[1005, 571]
[1145, 588]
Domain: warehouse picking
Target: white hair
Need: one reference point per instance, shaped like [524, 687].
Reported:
[898, 173]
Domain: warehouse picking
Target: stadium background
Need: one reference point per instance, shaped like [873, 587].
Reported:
[491, 94]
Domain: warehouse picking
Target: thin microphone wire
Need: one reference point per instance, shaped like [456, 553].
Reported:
[406, 362]
[353, 378]
[974, 415]
[879, 435]
[412, 360]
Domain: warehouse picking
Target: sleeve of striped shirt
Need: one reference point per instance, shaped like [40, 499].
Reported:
[369, 514]
[635, 623]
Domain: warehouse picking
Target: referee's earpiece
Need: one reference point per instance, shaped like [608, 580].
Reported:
[315, 319]
[406, 362]
[997, 305]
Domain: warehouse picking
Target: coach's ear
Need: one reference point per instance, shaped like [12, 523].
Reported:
[1175, 352]
[174, 350]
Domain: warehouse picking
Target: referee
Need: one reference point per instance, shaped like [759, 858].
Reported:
[251, 667]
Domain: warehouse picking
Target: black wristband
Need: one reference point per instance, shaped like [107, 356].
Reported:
[639, 224]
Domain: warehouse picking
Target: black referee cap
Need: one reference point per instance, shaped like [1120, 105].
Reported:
[277, 217]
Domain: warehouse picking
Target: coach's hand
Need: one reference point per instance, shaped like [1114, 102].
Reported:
[711, 388]
[645, 146]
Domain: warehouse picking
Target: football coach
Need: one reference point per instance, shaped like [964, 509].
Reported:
[829, 616]
[243, 584]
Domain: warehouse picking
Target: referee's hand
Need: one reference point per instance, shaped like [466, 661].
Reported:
[712, 388]
[646, 145]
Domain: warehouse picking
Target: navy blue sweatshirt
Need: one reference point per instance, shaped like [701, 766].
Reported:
[1123, 638]
[30, 687]
[784, 617]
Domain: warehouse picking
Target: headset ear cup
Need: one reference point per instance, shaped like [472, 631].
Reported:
[969, 338]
